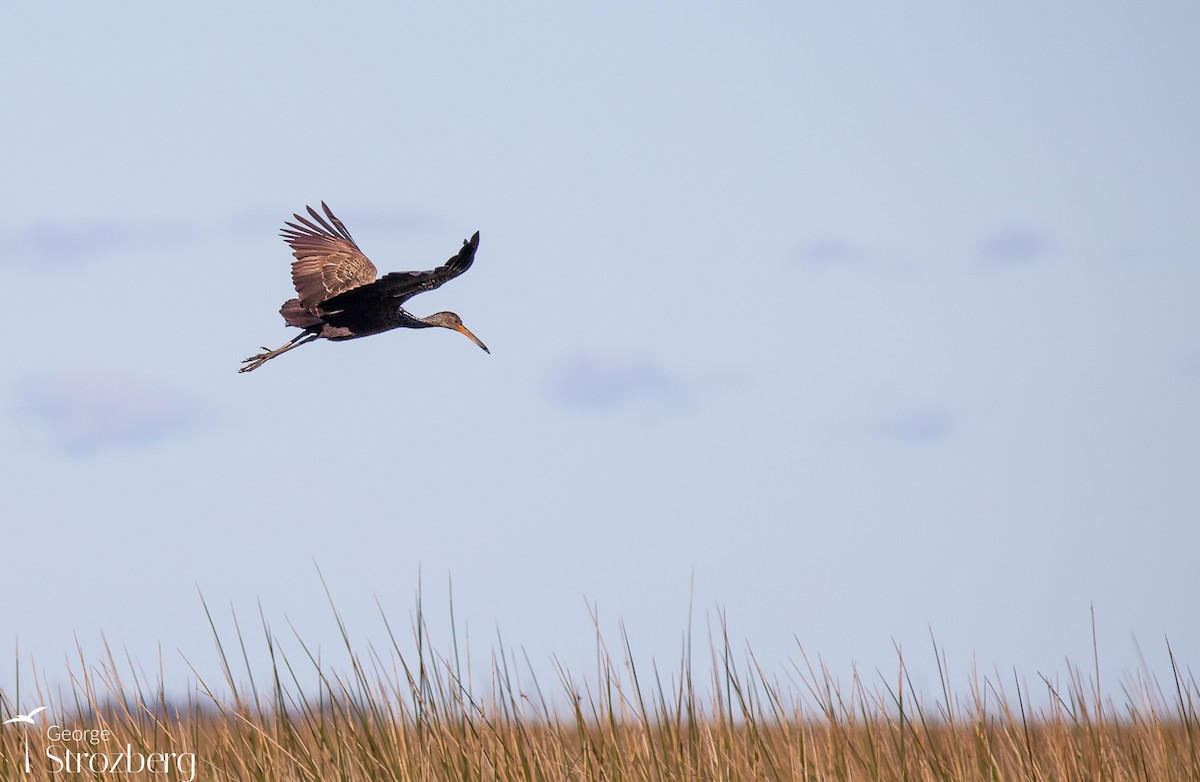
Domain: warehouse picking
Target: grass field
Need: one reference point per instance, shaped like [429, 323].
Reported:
[391, 715]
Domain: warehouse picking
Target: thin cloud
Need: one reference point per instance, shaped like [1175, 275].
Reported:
[605, 382]
[55, 242]
[1191, 365]
[1013, 246]
[833, 253]
[60, 242]
[920, 424]
[86, 411]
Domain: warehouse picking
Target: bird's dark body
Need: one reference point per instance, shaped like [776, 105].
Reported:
[352, 324]
[339, 297]
[377, 306]
[373, 312]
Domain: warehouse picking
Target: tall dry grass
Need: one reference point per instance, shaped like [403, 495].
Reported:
[416, 716]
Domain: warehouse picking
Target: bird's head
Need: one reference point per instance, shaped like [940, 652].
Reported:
[448, 320]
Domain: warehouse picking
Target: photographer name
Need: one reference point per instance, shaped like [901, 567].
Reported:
[126, 760]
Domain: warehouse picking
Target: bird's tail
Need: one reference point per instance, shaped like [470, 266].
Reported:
[297, 316]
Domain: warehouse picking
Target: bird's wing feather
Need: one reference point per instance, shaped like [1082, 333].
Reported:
[328, 262]
[404, 285]
[399, 287]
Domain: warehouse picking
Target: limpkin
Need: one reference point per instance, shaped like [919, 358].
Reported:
[339, 297]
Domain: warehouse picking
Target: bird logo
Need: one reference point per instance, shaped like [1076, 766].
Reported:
[25, 719]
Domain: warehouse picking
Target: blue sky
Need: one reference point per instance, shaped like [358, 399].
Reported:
[865, 322]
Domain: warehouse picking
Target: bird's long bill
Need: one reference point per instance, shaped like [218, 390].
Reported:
[474, 338]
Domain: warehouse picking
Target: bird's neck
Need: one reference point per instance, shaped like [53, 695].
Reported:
[411, 321]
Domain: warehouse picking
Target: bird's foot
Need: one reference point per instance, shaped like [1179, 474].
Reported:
[254, 362]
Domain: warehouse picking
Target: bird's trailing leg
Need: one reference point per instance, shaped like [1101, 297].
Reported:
[254, 362]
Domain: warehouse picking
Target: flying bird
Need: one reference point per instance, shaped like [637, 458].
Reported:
[25, 717]
[338, 295]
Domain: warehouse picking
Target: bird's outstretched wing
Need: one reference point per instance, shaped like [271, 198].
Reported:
[328, 262]
[399, 287]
